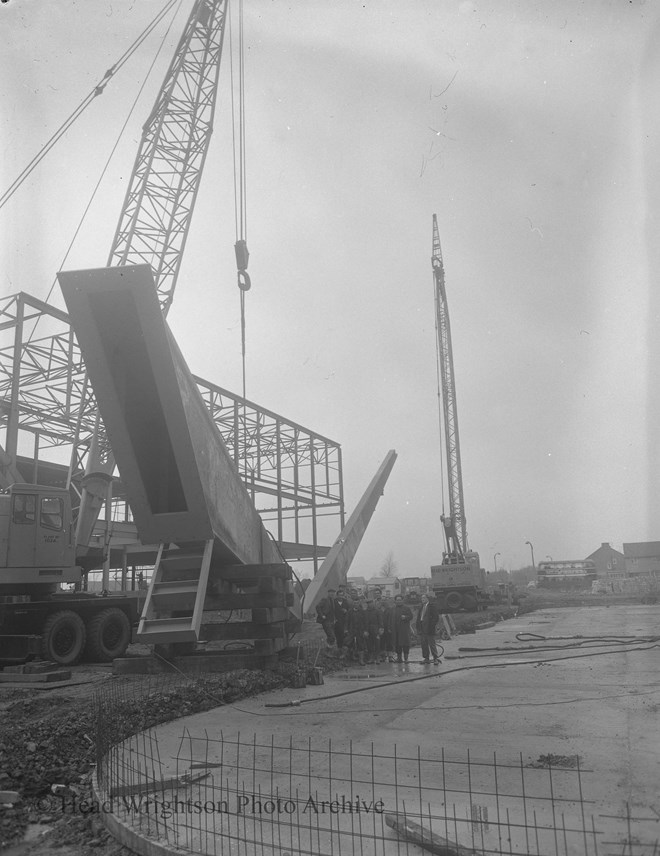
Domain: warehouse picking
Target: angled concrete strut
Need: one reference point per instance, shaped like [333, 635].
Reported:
[336, 564]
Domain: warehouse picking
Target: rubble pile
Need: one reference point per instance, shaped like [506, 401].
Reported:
[49, 743]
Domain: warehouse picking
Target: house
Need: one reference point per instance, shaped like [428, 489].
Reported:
[642, 558]
[608, 561]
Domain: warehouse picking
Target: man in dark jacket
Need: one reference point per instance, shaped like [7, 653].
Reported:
[401, 618]
[386, 645]
[356, 626]
[325, 615]
[343, 606]
[373, 621]
[427, 618]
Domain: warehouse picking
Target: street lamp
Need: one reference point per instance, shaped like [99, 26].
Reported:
[495, 560]
[531, 547]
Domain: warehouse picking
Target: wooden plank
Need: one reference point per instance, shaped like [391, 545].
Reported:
[243, 573]
[448, 625]
[269, 584]
[39, 678]
[242, 630]
[217, 661]
[265, 647]
[247, 600]
[425, 838]
[268, 616]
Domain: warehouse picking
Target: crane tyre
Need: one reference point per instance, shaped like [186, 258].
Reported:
[63, 638]
[108, 635]
[454, 600]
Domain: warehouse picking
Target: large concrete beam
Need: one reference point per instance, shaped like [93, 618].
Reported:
[181, 482]
[335, 566]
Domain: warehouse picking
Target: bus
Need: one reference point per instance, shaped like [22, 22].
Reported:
[567, 574]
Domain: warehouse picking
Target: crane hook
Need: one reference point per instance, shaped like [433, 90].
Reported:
[244, 280]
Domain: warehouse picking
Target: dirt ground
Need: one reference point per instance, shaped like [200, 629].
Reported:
[48, 731]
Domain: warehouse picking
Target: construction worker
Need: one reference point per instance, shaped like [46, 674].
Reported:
[373, 629]
[355, 633]
[401, 618]
[386, 646]
[325, 615]
[427, 619]
[343, 606]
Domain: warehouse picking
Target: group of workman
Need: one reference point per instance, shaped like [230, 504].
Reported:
[377, 628]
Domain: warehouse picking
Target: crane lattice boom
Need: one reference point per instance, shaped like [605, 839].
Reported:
[155, 217]
[455, 527]
[158, 207]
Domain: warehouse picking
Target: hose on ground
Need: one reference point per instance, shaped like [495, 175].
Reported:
[298, 702]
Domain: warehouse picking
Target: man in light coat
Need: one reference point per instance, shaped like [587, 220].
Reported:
[427, 619]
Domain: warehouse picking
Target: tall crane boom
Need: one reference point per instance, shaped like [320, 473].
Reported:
[459, 582]
[158, 207]
[454, 525]
[155, 217]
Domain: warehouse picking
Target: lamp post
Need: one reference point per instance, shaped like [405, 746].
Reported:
[495, 560]
[531, 547]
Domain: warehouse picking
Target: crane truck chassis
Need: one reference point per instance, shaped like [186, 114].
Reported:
[36, 556]
[459, 584]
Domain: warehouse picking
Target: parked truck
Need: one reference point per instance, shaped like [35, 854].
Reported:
[459, 582]
[37, 556]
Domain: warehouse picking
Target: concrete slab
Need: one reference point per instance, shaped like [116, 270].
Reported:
[488, 751]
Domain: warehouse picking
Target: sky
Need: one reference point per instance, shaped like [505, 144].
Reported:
[529, 128]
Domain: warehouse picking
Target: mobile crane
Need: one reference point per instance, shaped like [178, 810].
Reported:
[459, 581]
[43, 540]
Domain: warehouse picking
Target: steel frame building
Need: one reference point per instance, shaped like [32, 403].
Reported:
[48, 418]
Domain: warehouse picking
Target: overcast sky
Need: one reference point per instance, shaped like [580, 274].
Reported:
[529, 128]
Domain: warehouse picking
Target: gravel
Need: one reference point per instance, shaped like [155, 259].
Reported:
[49, 743]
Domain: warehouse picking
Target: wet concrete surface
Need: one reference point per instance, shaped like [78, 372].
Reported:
[592, 705]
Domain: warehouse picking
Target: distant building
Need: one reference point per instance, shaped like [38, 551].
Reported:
[608, 561]
[358, 583]
[642, 558]
[387, 585]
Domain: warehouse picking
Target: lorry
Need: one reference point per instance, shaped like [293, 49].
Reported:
[459, 583]
[37, 557]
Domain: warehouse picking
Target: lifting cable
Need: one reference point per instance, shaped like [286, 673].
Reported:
[106, 165]
[84, 104]
[240, 185]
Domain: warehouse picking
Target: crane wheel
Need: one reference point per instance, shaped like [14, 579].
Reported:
[63, 638]
[454, 600]
[108, 635]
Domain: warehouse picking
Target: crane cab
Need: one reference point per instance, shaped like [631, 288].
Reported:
[36, 539]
